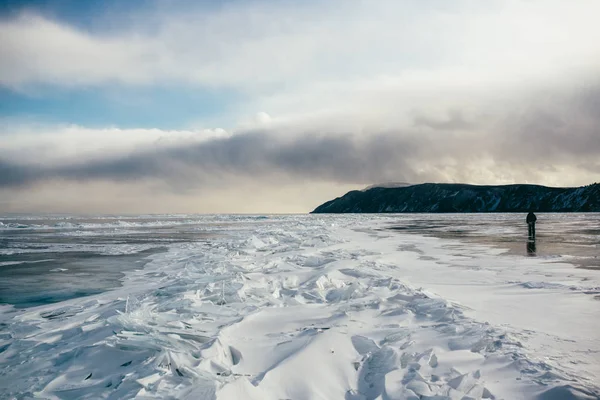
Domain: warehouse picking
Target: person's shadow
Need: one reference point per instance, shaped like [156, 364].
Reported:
[531, 247]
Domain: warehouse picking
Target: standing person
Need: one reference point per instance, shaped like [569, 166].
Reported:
[531, 218]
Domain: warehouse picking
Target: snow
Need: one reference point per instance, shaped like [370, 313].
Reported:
[316, 307]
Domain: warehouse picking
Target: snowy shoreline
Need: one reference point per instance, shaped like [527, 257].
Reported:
[316, 307]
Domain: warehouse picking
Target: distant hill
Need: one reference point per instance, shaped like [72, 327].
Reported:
[463, 198]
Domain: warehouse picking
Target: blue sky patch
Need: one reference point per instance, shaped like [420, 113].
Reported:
[125, 107]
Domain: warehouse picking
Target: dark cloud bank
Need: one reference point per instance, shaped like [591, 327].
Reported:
[252, 154]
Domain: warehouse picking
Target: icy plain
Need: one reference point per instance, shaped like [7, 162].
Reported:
[315, 307]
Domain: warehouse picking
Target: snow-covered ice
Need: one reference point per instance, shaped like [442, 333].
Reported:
[315, 307]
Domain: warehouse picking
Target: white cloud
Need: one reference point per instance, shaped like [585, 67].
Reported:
[282, 46]
[364, 66]
[55, 144]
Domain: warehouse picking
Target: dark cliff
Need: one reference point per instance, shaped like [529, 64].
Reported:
[463, 198]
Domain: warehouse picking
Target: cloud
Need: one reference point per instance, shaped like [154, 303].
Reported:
[255, 155]
[38, 50]
[262, 45]
[547, 142]
[454, 121]
[144, 197]
[17, 175]
[468, 91]
[25, 142]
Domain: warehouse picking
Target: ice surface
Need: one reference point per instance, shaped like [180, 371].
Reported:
[315, 307]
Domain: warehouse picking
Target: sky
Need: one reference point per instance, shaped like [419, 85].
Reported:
[262, 106]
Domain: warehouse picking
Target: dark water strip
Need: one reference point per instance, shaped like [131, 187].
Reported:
[42, 278]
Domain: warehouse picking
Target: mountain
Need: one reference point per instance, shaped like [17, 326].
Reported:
[463, 198]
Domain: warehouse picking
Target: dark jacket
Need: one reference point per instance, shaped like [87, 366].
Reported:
[531, 218]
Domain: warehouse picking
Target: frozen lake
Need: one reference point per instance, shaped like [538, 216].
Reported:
[572, 236]
[300, 307]
[46, 260]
